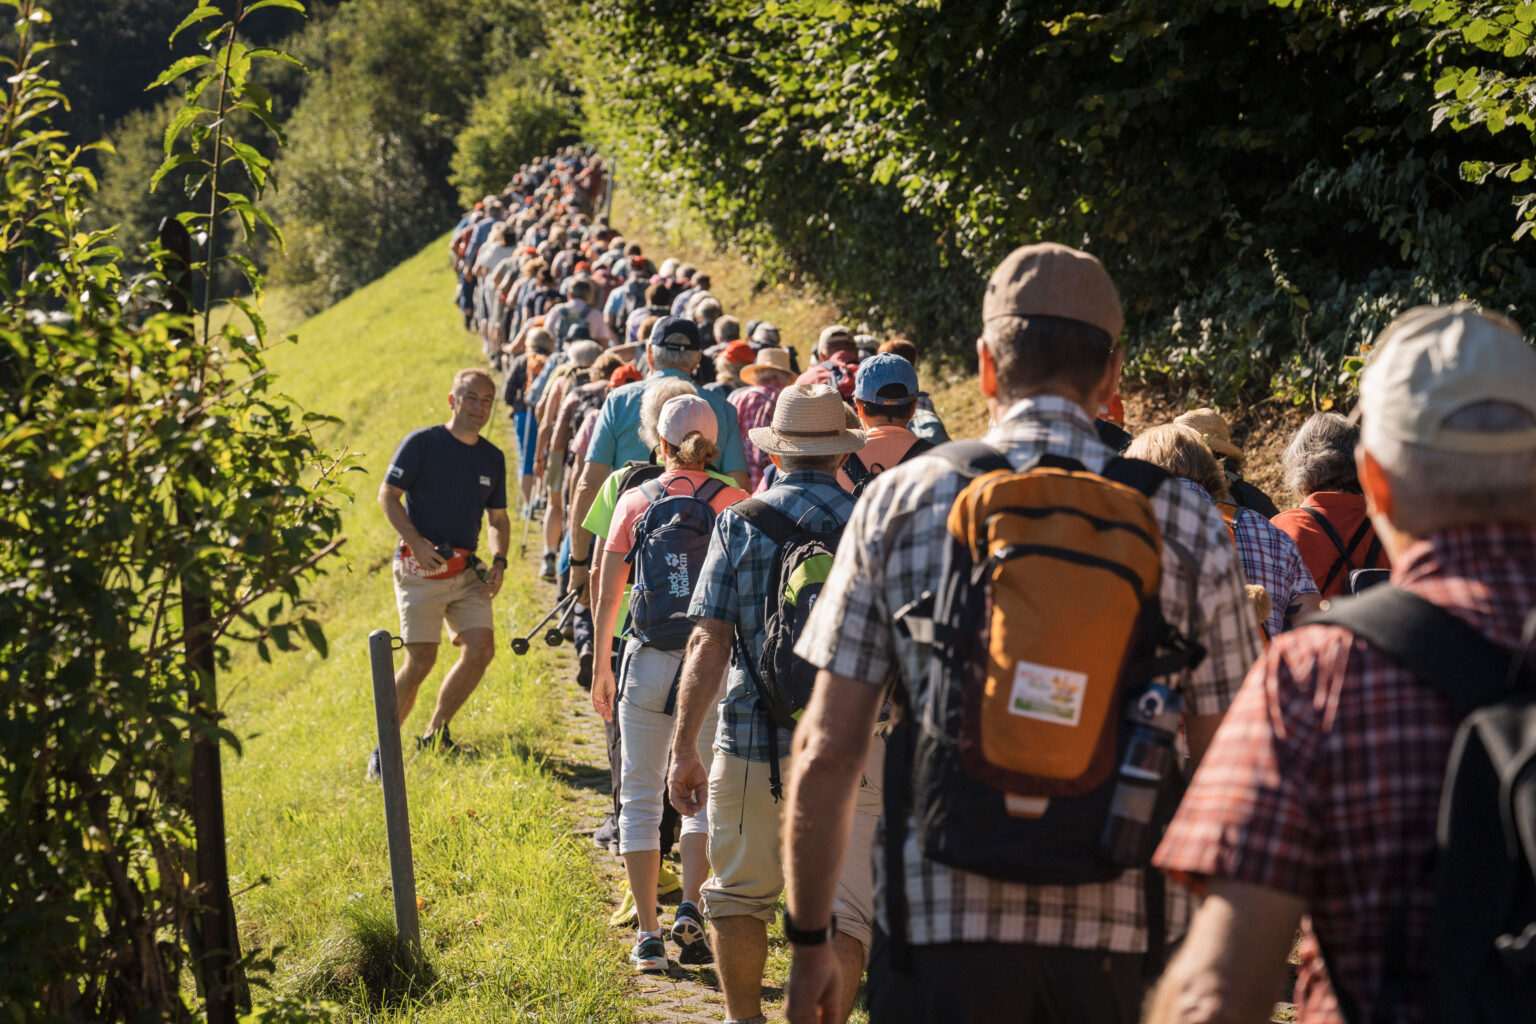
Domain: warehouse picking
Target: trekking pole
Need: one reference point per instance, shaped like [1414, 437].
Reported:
[397, 818]
[534, 507]
[555, 636]
[520, 644]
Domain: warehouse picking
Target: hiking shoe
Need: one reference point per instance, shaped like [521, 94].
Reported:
[438, 741]
[375, 768]
[649, 954]
[667, 881]
[688, 933]
[606, 834]
[548, 575]
[584, 671]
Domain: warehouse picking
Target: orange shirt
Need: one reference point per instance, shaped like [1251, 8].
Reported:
[1346, 512]
[883, 448]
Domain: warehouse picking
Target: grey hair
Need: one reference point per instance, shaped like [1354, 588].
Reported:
[1433, 489]
[1321, 457]
[656, 395]
[685, 359]
[727, 372]
[811, 463]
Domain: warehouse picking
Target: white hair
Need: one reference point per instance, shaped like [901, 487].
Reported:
[1433, 489]
[1321, 457]
[684, 359]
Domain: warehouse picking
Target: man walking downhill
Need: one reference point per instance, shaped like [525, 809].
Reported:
[439, 484]
[955, 944]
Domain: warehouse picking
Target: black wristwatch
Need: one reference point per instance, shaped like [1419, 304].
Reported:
[580, 563]
[808, 936]
[500, 561]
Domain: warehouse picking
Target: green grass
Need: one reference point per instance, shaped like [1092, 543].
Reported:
[512, 922]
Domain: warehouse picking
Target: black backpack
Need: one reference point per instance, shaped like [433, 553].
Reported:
[671, 540]
[800, 568]
[1345, 563]
[1481, 949]
[861, 474]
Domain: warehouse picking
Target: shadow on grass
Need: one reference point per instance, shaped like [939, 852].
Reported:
[365, 967]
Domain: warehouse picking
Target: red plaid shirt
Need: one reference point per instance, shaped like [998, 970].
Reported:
[1324, 779]
[754, 408]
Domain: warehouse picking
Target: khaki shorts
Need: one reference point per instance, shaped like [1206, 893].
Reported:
[744, 845]
[554, 475]
[425, 605]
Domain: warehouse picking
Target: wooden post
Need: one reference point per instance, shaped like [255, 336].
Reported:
[397, 818]
[216, 941]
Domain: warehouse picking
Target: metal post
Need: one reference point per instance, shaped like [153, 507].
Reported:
[397, 818]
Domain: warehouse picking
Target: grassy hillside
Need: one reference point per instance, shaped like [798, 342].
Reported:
[509, 896]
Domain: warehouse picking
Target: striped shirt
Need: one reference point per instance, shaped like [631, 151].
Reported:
[891, 554]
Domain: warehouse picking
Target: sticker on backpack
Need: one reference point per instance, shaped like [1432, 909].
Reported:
[1048, 694]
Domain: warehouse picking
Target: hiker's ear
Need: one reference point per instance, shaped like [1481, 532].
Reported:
[775, 459]
[987, 369]
[1107, 384]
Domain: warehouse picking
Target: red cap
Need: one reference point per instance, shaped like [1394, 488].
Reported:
[738, 352]
[625, 374]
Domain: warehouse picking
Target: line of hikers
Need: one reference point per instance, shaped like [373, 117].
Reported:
[947, 699]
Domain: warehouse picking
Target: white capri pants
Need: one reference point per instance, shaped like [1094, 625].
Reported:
[645, 731]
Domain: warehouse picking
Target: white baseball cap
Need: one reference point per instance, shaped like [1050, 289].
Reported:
[685, 414]
[1434, 361]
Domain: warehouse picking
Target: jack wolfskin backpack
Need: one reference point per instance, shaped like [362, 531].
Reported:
[800, 569]
[671, 540]
[1481, 948]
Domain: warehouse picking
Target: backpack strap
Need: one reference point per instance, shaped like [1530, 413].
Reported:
[919, 447]
[654, 490]
[973, 458]
[855, 469]
[1440, 648]
[766, 519]
[708, 490]
[1145, 476]
[1346, 551]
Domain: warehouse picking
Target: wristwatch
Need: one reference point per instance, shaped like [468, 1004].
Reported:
[500, 561]
[808, 936]
[581, 563]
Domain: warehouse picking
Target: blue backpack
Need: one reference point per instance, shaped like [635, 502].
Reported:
[671, 540]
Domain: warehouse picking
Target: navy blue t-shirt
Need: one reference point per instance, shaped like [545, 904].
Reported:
[448, 484]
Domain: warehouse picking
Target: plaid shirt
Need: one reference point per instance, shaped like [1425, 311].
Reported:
[754, 408]
[733, 587]
[1271, 559]
[891, 553]
[1324, 780]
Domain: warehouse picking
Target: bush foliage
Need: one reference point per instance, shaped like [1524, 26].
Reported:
[1267, 181]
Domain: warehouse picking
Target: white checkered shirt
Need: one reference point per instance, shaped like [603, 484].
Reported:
[891, 553]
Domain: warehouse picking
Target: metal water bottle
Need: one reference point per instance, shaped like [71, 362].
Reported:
[1152, 719]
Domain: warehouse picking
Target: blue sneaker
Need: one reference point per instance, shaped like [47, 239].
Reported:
[688, 933]
[649, 954]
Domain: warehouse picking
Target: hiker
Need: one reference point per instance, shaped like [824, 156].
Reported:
[549, 464]
[982, 919]
[1269, 558]
[448, 476]
[836, 358]
[884, 397]
[647, 529]
[672, 353]
[1213, 430]
[1330, 526]
[526, 367]
[808, 442]
[761, 334]
[1320, 796]
[925, 422]
[765, 377]
[729, 363]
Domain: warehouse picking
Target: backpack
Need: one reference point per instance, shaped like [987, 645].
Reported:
[671, 540]
[1481, 950]
[1010, 765]
[861, 474]
[801, 565]
[1345, 563]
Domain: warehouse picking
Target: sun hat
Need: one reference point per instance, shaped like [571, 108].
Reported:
[879, 372]
[767, 359]
[1434, 361]
[834, 331]
[1054, 280]
[627, 352]
[668, 266]
[682, 416]
[677, 333]
[763, 333]
[1213, 430]
[808, 420]
[738, 352]
[583, 353]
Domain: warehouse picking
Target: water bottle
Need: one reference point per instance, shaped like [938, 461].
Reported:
[1152, 719]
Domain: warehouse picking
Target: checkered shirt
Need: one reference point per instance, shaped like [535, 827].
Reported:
[892, 552]
[754, 408]
[733, 587]
[1270, 558]
[1324, 780]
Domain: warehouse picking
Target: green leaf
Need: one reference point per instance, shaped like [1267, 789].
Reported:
[181, 67]
[292, 5]
[170, 164]
[267, 53]
[202, 12]
[316, 636]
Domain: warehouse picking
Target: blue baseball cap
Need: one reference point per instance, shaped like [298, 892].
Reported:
[676, 332]
[878, 372]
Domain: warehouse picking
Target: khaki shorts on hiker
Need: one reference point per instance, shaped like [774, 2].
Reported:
[425, 605]
[744, 847]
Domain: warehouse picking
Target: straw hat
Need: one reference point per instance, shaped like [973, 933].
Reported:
[808, 420]
[767, 359]
[1212, 428]
[626, 352]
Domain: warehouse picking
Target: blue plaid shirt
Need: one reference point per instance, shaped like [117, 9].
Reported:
[733, 588]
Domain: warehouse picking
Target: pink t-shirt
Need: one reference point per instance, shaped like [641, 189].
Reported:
[633, 503]
[883, 448]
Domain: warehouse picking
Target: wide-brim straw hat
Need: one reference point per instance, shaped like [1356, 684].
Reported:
[808, 420]
[767, 359]
[626, 352]
[1213, 429]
